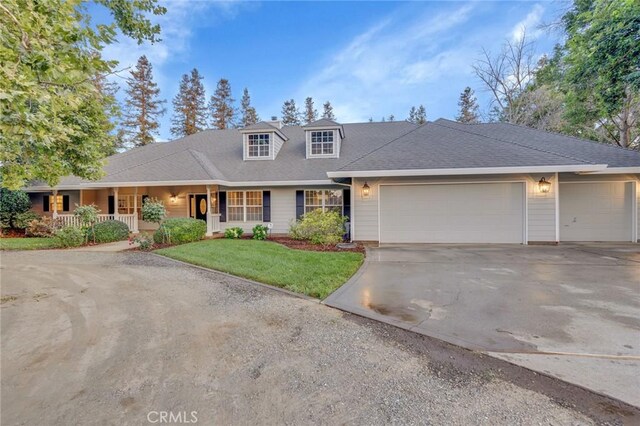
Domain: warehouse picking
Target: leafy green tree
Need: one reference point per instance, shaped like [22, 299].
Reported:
[328, 111]
[12, 205]
[221, 106]
[290, 113]
[189, 109]
[143, 108]
[310, 113]
[249, 114]
[54, 118]
[468, 105]
[88, 216]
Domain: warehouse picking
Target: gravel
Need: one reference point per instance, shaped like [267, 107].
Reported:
[109, 337]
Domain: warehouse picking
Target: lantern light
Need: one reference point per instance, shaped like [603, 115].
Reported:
[544, 186]
[366, 190]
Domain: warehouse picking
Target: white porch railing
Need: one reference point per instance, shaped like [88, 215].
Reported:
[215, 222]
[130, 219]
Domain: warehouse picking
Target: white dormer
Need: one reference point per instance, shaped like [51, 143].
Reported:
[324, 138]
[261, 141]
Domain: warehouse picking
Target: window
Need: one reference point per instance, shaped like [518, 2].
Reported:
[258, 145]
[57, 199]
[244, 206]
[125, 204]
[326, 200]
[322, 142]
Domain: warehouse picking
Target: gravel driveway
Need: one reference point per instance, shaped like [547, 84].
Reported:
[109, 337]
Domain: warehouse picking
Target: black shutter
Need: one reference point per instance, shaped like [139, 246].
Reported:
[45, 203]
[346, 203]
[222, 201]
[299, 204]
[112, 204]
[144, 198]
[65, 203]
[266, 206]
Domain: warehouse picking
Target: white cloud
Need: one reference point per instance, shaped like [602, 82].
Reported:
[530, 25]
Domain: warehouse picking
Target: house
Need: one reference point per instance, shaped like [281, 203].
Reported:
[442, 182]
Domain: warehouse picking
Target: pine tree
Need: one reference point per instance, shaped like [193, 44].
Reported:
[190, 111]
[468, 107]
[249, 114]
[392, 117]
[412, 115]
[290, 113]
[421, 115]
[221, 106]
[310, 114]
[142, 108]
[328, 111]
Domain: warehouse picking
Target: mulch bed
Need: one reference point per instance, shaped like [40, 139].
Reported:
[13, 233]
[305, 245]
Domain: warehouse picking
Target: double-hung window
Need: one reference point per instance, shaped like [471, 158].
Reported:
[326, 200]
[57, 199]
[244, 206]
[322, 142]
[258, 145]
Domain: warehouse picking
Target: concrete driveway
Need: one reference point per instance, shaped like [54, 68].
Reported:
[571, 311]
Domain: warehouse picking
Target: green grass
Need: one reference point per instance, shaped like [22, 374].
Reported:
[27, 243]
[313, 273]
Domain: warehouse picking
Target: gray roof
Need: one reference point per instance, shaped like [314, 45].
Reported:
[260, 125]
[323, 122]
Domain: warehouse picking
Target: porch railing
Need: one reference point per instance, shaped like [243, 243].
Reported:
[129, 219]
[215, 222]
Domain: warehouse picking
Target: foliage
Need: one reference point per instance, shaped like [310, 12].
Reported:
[153, 210]
[143, 108]
[233, 233]
[108, 231]
[260, 232]
[46, 226]
[290, 113]
[416, 115]
[88, 216]
[327, 111]
[249, 114]
[180, 230]
[144, 241]
[468, 104]
[310, 113]
[23, 220]
[189, 109]
[27, 243]
[221, 106]
[318, 227]
[12, 204]
[69, 236]
[55, 112]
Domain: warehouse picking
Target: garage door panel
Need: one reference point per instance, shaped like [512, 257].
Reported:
[452, 213]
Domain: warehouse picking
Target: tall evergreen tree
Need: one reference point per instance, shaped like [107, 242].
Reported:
[290, 113]
[412, 115]
[421, 115]
[190, 111]
[221, 106]
[310, 113]
[143, 107]
[468, 104]
[392, 117]
[328, 111]
[249, 114]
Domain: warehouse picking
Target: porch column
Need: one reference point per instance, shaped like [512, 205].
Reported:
[115, 204]
[209, 219]
[55, 203]
[135, 211]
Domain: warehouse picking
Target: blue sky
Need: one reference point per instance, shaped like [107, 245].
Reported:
[370, 59]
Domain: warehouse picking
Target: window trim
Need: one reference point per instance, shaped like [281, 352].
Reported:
[244, 206]
[269, 144]
[333, 143]
[324, 198]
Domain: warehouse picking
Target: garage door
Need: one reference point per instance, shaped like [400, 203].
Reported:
[596, 211]
[452, 213]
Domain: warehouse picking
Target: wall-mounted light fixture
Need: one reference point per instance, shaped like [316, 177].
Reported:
[544, 186]
[366, 190]
[173, 198]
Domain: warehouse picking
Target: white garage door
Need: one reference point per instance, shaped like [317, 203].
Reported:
[596, 211]
[452, 213]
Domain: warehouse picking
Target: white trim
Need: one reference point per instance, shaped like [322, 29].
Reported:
[467, 171]
[634, 212]
[244, 206]
[525, 218]
[556, 188]
[352, 215]
[191, 183]
[616, 170]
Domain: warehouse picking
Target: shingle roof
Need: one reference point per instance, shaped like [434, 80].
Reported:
[323, 122]
[260, 125]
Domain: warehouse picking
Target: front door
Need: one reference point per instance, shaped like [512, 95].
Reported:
[198, 203]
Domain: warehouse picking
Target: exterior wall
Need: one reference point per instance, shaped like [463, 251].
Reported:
[36, 201]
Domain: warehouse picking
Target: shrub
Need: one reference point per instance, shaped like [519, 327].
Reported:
[23, 220]
[180, 230]
[108, 231]
[12, 203]
[233, 233]
[260, 232]
[144, 241]
[69, 236]
[46, 226]
[88, 216]
[318, 227]
[153, 210]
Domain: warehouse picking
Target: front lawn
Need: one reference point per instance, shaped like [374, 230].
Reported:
[27, 243]
[313, 273]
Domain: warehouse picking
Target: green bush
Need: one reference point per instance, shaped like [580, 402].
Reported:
[180, 230]
[153, 210]
[144, 241]
[233, 233]
[12, 203]
[260, 232]
[318, 227]
[69, 236]
[46, 226]
[108, 231]
[22, 220]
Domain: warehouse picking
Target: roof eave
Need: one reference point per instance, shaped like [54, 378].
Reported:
[469, 171]
[615, 171]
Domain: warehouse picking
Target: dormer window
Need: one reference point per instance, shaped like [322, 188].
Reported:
[258, 145]
[322, 142]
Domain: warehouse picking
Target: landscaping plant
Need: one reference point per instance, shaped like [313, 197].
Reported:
[153, 211]
[318, 227]
[88, 216]
[108, 231]
[46, 226]
[69, 236]
[233, 233]
[12, 204]
[180, 230]
[144, 241]
[23, 220]
[260, 232]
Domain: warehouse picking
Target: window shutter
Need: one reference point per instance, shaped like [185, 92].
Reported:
[346, 203]
[144, 198]
[222, 202]
[112, 204]
[45, 203]
[266, 206]
[299, 204]
[65, 203]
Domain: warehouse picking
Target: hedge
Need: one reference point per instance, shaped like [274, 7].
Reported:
[108, 231]
[180, 230]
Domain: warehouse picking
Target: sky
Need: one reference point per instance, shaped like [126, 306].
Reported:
[369, 59]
